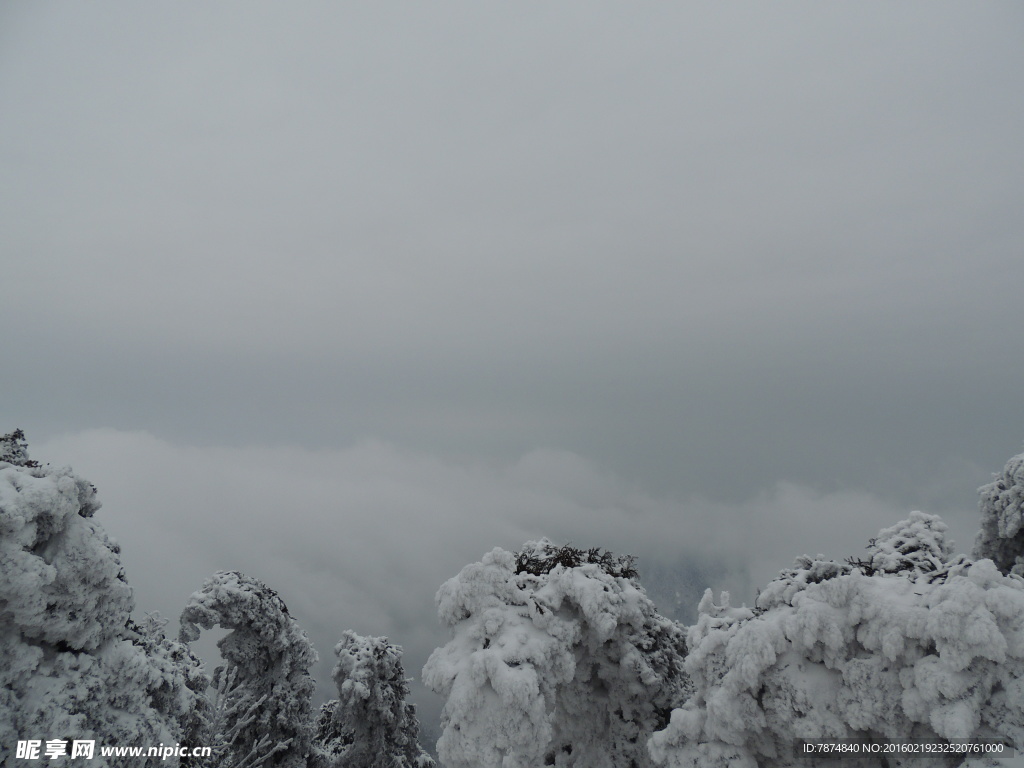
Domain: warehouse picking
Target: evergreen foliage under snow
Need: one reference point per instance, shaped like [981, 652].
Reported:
[268, 658]
[1001, 538]
[909, 645]
[561, 665]
[370, 724]
[72, 664]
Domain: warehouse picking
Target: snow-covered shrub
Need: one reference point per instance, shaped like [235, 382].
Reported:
[909, 644]
[370, 725]
[557, 658]
[1001, 538]
[268, 658]
[72, 664]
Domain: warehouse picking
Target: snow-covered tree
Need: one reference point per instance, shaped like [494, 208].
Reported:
[265, 689]
[1001, 538]
[370, 725]
[908, 644]
[175, 661]
[557, 658]
[913, 547]
[14, 449]
[72, 664]
[225, 722]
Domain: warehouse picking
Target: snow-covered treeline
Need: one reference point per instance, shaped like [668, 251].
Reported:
[557, 656]
[74, 666]
[908, 644]
[71, 660]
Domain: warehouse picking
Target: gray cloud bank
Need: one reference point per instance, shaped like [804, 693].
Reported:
[710, 247]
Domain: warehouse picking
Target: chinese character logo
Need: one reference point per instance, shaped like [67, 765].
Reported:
[83, 748]
[28, 750]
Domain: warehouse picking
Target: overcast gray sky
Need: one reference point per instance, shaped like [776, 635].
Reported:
[346, 294]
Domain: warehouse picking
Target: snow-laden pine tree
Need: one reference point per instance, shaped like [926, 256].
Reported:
[73, 666]
[14, 450]
[370, 724]
[261, 716]
[907, 644]
[1001, 538]
[557, 657]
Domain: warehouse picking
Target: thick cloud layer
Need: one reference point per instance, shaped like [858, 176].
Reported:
[678, 239]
